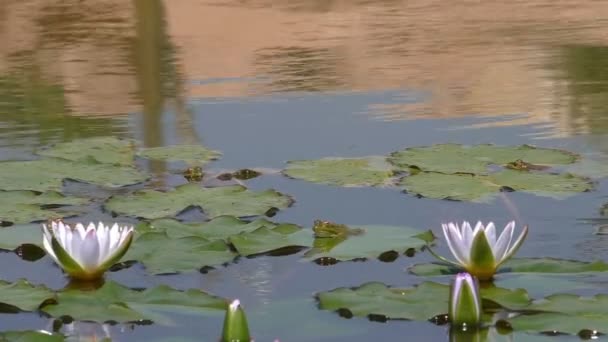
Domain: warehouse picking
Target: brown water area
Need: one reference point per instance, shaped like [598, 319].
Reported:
[546, 60]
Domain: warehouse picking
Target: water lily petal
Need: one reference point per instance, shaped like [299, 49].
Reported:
[516, 244]
[482, 262]
[119, 252]
[491, 233]
[455, 243]
[467, 235]
[502, 245]
[47, 244]
[64, 259]
[89, 251]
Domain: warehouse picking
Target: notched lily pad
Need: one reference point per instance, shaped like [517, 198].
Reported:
[14, 236]
[23, 295]
[264, 239]
[49, 174]
[227, 200]
[454, 158]
[348, 172]
[189, 154]
[116, 303]
[422, 302]
[106, 150]
[544, 184]
[26, 206]
[565, 313]
[161, 254]
[219, 228]
[362, 242]
[457, 187]
[519, 265]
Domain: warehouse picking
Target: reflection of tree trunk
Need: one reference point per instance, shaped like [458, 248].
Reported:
[148, 64]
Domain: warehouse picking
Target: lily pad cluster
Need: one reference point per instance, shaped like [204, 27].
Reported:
[452, 171]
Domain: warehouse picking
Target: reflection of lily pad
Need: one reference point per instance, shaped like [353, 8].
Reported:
[17, 235]
[372, 242]
[371, 171]
[30, 336]
[264, 239]
[541, 183]
[219, 228]
[422, 302]
[23, 295]
[107, 150]
[161, 254]
[453, 158]
[49, 174]
[519, 265]
[114, 302]
[454, 187]
[24, 206]
[566, 313]
[190, 154]
[227, 200]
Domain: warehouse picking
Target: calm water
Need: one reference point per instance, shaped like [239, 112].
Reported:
[270, 81]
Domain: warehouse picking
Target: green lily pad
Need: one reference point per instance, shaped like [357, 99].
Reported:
[447, 186]
[219, 228]
[24, 206]
[30, 336]
[263, 240]
[161, 254]
[543, 184]
[190, 154]
[107, 150]
[348, 172]
[371, 242]
[114, 302]
[49, 174]
[14, 236]
[227, 200]
[422, 302]
[23, 295]
[566, 313]
[519, 265]
[454, 158]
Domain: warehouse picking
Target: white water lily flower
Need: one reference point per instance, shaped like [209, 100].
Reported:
[478, 250]
[465, 302]
[86, 253]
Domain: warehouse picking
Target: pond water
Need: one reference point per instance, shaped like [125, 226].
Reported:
[266, 82]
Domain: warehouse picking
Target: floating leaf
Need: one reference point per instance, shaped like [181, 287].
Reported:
[454, 187]
[190, 154]
[14, 236]
[49, 174]
[107, 150]
[227, 200]
[371, 171]
[566, 313]
[162, 254]
[24, 206]
[453, 158]
[23, 295]
[546, 184]
[30, 336]
[519, 265]
[422, 302]
[371, 242]
[116, 303]
[219, 228]
[263, 240]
